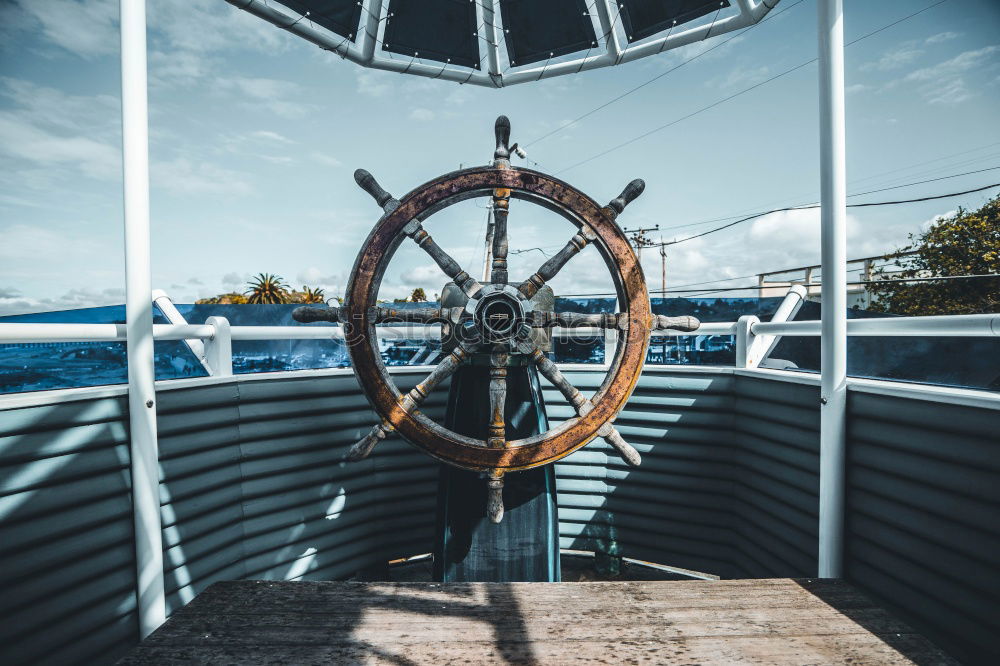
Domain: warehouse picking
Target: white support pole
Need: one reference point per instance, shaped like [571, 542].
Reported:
[139, 321]
[833, 343]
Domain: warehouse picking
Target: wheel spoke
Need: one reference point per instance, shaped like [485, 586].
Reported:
[498, 400]
[615, 320]
[501, 207]
[409, 402]
[548, 270]
[451, 268]
[384, 315]
[665, 323]
[381, 315]
[545, 319]
[494, 498]
[415, 230]
[584, 406]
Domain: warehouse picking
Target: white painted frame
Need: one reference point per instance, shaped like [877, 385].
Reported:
[612, 48]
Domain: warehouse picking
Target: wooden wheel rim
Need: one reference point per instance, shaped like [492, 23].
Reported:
[436, 440]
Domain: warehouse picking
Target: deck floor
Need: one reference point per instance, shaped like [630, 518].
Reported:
[774, 621]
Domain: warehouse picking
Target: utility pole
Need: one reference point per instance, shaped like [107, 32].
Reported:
[663, 269]
[639, 239]
[663, 290]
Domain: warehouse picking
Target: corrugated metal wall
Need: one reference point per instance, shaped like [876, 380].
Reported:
[253, 487]
[67, 570]
[923, 516]
[676, 508]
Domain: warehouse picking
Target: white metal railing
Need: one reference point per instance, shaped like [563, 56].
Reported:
[754, 338]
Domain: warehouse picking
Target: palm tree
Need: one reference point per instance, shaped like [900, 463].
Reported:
[267, 288]
[310, 295]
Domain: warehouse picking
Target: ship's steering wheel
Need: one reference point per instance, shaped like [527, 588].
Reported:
[497, 319]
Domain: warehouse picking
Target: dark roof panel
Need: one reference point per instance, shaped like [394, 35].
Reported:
[644, 18]
[441, 30]
[536, 31]
[340, 17]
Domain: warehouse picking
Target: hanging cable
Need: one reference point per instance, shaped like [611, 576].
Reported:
[858, 205]
[661, 75]
[737, 94]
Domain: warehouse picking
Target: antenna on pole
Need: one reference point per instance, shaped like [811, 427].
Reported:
[639, 239]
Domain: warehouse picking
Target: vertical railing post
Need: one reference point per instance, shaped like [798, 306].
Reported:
[139, 321]
[833, 343]
[219, 348]
[745, 341]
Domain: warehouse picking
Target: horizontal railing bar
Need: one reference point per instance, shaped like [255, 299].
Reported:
[978, 325]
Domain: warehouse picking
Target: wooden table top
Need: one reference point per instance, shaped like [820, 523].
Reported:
[764, 621]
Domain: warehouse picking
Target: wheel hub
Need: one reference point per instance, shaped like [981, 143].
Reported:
[499, 313]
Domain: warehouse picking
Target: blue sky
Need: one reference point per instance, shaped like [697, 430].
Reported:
[255, 136]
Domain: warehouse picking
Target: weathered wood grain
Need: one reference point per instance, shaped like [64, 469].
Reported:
[777, 621]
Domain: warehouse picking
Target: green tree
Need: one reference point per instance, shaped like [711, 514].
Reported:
[232, 298]
[267, 288]
[308, 295]
[418, 295]
[966, 243]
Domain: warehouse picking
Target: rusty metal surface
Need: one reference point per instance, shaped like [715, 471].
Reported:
[358, 321]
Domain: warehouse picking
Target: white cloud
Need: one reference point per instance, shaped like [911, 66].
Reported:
[235, 279]
[267, 135]
[373, 83]
[20, 139]
[742, 76]
[87, 29]
[326, 160]
[944, 84]
[422, 115]
[183, 176]
[210, 26]
[961, 63]
[271, 94]
[894, 59]
[942, 37]
[73, 299]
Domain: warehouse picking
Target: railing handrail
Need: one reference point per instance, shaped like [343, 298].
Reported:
[978, 325]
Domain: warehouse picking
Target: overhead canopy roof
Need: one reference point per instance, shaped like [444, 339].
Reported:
[499, 43]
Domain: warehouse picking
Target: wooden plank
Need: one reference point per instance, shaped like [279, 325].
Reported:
[774, 621]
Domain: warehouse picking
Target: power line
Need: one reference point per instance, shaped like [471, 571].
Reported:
[858, 180]
[922, 182]
[661, 75]
[720, 290]
[858, 205]
[739, 93]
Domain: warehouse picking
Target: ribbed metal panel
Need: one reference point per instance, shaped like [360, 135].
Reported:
[66, 550]
[253, 486]
[923, 504]
[677, 508]
[776, 489]
[306, 514]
